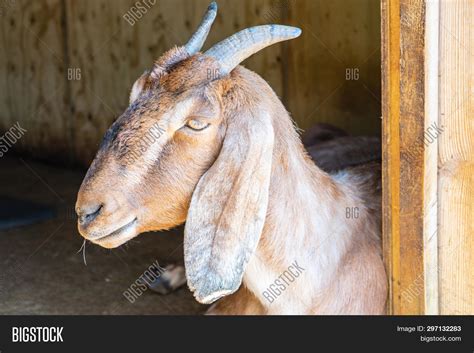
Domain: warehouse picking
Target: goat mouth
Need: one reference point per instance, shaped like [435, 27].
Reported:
[116, 233]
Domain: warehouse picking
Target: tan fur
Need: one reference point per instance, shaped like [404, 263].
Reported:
[242, 302]
[304, 208]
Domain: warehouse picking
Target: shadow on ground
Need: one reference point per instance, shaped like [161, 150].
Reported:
[41, 271]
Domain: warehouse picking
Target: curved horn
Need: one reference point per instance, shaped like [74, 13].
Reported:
[238, 47]
[199, 37]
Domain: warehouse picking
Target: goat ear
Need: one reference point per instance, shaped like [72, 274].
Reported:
[228, 209]
[138, 87]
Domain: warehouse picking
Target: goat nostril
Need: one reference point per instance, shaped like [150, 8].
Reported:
[87, 216]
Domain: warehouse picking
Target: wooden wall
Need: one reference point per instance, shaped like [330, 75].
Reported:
[330, 74]
[33, 86]
[456, 158]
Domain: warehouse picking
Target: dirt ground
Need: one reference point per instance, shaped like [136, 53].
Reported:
[41, 271]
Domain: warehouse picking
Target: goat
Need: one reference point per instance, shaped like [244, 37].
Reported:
[227, 160]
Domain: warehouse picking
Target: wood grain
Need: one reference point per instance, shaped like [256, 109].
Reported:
[412, 125]
[391, 148]
[403, 173]
[430, 215]
[338, 37]
[33, 77]
[456, 158]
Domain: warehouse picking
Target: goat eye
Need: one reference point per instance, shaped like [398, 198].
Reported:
[196, 125]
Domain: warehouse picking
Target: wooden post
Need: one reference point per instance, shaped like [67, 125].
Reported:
[390, 143]
[403, 110]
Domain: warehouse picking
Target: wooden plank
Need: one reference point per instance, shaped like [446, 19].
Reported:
[403, 172]
[334, 67]
[391, 147]
[111, 53]
[456, 158]
[430, 216]
[33, 76]
[411, 298]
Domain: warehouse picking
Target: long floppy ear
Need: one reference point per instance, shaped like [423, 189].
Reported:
[228, 209]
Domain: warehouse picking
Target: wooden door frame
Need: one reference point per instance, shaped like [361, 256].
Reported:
[428, 183]
[409, 172]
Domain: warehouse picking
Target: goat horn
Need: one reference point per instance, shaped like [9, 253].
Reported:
[238, 47]
[199, 37]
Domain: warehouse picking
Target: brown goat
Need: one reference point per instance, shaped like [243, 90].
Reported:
[207, 142]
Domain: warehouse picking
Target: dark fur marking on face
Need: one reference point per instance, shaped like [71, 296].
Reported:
[174, 74]
[124, 131]
[110, 135]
